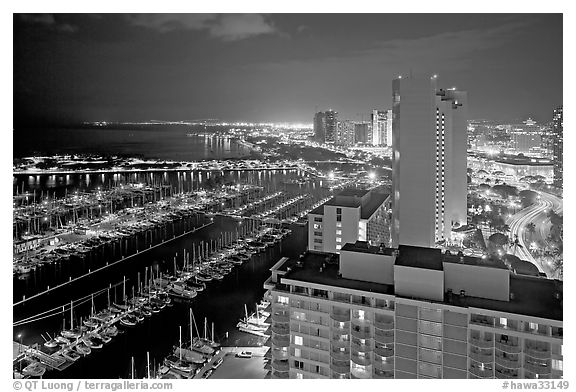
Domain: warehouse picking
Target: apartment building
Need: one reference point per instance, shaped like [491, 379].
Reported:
[365, 213]
[411, 312]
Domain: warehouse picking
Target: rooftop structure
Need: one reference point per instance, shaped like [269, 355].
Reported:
[369, 313]
[353, 214]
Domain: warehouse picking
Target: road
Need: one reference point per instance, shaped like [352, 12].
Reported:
[537, 214]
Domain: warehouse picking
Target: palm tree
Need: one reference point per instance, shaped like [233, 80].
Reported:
[515, 244]
[531, 227]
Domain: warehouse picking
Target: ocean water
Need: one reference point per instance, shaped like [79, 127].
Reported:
[161, 142]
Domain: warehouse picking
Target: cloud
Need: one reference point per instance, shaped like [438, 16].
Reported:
[48, 21]
[236, 27]
[228, 27]
[44, 19]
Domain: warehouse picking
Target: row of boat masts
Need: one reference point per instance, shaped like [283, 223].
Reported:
[150, 298]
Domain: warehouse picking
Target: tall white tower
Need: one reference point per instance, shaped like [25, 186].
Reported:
[428, 161]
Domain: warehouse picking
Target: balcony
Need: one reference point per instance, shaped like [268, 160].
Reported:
[338, 376]
[383, 336]
[509, 347]
[344, 298]
[279, 374]
[504, 373]
[383, 374]
[340, 343]
[340, 368]
[280, 306]
[386, 325]
[281, 317]
[382, 304]
[481, 357]
[364, 348]
[508, 362]
[537, 352]
[384, 366]
[340, 315]
[281, 366]
[361, 360]
[361, 333]
[280, 329]
[482, 343]
[341, 328]
[482, 320]
[537, 368]
[280, 340]
[486, 373]
[280, 354]
[340, 355]
[384, 352]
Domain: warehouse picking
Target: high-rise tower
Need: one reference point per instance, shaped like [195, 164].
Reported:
[428, 162]
[558, 140]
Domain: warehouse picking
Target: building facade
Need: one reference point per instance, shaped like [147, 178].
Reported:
[346, 133]
[381, 121]
[319, 127]
[411, 313]
[428, 161]
[363, 133]
[353, 214]
[558, 147]
[331, 126]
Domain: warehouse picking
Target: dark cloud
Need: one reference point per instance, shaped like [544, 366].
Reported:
[228, 27]
[242, 67]
[48, 21]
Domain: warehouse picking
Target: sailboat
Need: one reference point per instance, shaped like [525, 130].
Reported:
[72, 333]
[245, 326]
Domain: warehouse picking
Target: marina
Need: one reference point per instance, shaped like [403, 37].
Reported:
[193, 261]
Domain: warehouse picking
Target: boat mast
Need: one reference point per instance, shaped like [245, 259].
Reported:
[205, 327]
[212, 332]
[71, 315]
[148, 363]
[191, 331]
[132, 366]
[180, 345]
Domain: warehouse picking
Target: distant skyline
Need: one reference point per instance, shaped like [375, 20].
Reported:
[277, 67]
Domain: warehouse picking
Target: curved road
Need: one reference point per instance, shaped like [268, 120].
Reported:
[537, 214]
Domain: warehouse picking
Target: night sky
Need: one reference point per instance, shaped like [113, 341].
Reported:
[70, 68]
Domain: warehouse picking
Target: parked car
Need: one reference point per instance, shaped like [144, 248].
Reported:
[244, 354]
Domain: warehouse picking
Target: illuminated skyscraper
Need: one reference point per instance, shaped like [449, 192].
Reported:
[381, 127]
[558, 137]
[319, 127]
[429, 161]
[331, 123]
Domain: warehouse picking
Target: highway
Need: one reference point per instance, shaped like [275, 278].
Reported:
[537, 214]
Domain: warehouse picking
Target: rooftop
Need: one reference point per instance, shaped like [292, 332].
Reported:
[368, 200]
[353, 192]
[419, 257]
[309, 271]
[364, 247]
[530, 296]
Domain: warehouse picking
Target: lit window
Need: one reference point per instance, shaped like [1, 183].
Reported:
[338, 247]
[338, 224]
[283, 300]
[557, 364]
[297, 352]
[338, 240]
[298, 340]
[361, 315]
[338, 232]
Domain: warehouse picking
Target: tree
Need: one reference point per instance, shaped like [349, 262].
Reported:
[531, 228]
